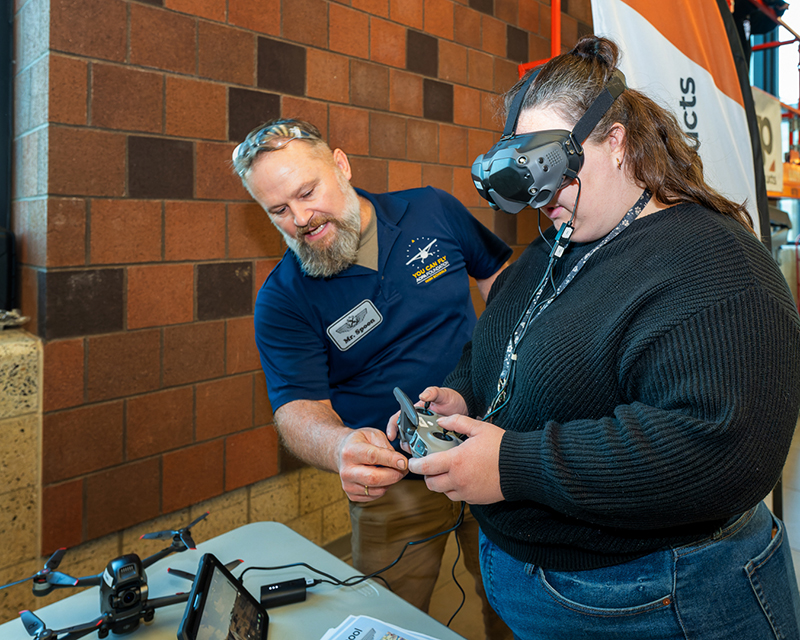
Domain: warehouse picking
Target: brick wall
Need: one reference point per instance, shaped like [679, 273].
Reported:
[140, 252]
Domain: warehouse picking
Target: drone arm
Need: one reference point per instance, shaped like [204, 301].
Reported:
[161, 554]
[155, 603]
[88, 581]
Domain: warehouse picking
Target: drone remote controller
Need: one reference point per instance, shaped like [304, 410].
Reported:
[419, 429]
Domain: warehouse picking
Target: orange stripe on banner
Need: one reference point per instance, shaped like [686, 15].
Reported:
[697, 30]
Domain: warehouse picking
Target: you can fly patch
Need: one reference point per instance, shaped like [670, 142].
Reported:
[354, 325]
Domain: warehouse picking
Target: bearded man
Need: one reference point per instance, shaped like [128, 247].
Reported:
[373, 293]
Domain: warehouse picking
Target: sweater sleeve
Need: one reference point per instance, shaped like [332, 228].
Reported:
[707, 421]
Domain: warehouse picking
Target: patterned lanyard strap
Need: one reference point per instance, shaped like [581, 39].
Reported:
[535, 308]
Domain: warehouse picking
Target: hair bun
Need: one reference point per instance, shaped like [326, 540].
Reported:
[602, 50]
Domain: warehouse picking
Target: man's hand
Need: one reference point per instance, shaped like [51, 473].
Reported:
[368, 464]
[470, 471]
[443, 401]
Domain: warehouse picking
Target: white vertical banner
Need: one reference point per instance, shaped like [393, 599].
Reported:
[678, 53]
[768, 114]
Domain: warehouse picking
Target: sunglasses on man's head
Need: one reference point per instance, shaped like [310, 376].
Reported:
[270, 138]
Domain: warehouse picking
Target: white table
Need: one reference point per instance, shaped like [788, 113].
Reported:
[258, 544]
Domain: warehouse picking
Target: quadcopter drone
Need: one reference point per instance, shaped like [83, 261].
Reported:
[124, 601]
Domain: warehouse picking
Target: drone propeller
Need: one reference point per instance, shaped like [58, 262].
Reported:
[184, 534]
[48, 575]
[34, 625]
[190, 576]
[36, 628]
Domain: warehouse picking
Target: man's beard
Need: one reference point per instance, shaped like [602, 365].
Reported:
[338, 252]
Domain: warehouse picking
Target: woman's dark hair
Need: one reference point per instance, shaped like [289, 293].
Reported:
[660, 155]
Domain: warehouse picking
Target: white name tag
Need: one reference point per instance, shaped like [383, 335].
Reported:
[354, 325]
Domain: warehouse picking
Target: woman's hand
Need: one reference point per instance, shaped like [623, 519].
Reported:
[470, 471]
[443, 401]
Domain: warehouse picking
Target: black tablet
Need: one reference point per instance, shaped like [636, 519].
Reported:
[220, 608]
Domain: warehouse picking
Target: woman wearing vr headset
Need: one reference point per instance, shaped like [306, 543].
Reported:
[629, 396]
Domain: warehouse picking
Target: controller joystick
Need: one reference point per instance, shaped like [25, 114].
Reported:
[419, 428]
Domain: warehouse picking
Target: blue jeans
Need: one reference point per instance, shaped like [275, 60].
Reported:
[738, 584]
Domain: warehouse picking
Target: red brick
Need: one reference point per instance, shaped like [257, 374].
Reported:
[438, 176]
[250, 456]
[452, 145]
[193, 352]
[158, 422]
[480, 67]
[348, 31]
[309, 110]
[226, 54]
[196, 109]
[82, 440]
[224, 406]
[93, 28]
[241, 353]
[162, 39]
[349, 130]
[387, 43]
[122, 497]
[492, 112]
[464, 187]
[327, 76]
[370, 174]
[263, 269]
[124, 231]
[264, 16]
[160, 295]
[387, 138]
[250, 232]
[404, 175]
[439, 18]
[408, 12]
[466, 106]
[194, 230]
[373, 7]
[62, 516]
[405, 92]
[452, 62]
[369, 85]
[538, 48]
[528, 228]
[305, 21]
[479, 142]
[126, 98]
[529, 17]
[66, 232]
[68, 90]
[508, 10]
[63, 374]
[192, 475]
[569, 30]
[211, 9]
[262, 410]
[467, 26]
[581, 10]
[122, 364]
[89, 163]
[494, 36]
[215, 178]
[423, 141]
[505, 75]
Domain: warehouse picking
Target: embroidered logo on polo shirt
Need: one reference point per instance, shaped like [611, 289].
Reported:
[354, 325]
[424, 256]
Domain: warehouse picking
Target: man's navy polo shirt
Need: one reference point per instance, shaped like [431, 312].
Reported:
[352, 338]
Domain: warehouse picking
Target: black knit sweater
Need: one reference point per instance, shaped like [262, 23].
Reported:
[654, 399]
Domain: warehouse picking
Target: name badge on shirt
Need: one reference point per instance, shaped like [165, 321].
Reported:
[354, 325]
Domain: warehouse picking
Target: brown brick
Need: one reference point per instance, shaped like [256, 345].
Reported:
[122, 364]
[196, 109]
[409, 12]
[464, 188]
[194, 230]
[387, 43]
[125, 231]
[422, 53]
[306, 21]
[250, 456]
[262, 413]
[370, 174]
[452, 145]
[349, 130]
[158, 422]
[405, 92]
[93, 28]
[466, 106]
[126, 98]
[192, 475]
[481, 70]
[369, 85]
[62, 516]
[160, 295]
[241, 353]
[438, 176]
[28, 296]
[162, 39]
[373, 7]
[516, 44]
[387, 137]
[281, 67]
[250, 232]
[452, 62]
[494, 36]
[508, 10]
[309, 110]
[225, 54]
[224, 406]
[437, 100]
[581, 10]
[423, 141]
[215, 178]
[82, 440]
[247, 109]
[264, 16]
[211, 9]
[404, 175]
[224, 290]
[506, 75]
[529, 17]
[114, 501]
[66, 232]
[89, 163]
[63, 374]
[193, 352]
[467, 26]
[68, 87]
[439, 18]
[348, 31]
[328, 76]
[161, 168]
